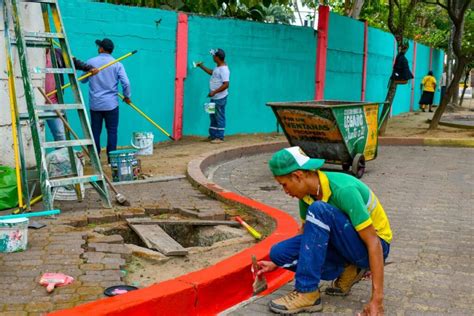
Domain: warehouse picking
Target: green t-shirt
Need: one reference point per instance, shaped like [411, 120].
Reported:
[354, 198]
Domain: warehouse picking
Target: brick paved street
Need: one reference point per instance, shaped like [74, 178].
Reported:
[94, 262]
[428, 193]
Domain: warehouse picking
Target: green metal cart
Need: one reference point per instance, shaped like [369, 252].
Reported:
[344, 133]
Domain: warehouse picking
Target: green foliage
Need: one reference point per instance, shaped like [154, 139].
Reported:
[468, 38]
[270, 11]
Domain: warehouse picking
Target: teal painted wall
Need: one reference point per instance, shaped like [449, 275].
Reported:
[267, 63]
[344, 65]
[151, 71]
[379, 64]
[344, 59]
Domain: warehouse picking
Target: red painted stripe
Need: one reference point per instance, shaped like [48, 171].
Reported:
[181, 72]
[412, 99]
[364, 61]
[321, 50]
[207, 291]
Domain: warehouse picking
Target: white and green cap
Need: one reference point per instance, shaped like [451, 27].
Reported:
[290, 159]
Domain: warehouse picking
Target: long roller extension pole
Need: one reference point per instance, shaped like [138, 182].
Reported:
[147, 117]
[87, 75]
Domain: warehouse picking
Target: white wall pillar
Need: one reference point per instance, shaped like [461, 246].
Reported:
[32, 21]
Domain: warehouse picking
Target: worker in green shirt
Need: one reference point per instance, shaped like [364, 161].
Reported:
[345, 233]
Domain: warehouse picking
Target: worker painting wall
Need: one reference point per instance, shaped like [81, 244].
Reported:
[33, 21]
[151, 71]
[268, 62]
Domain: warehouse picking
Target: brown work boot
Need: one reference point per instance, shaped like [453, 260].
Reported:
[295, 302]
[343, 284]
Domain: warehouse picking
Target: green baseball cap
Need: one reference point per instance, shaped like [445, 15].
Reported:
[290, 159]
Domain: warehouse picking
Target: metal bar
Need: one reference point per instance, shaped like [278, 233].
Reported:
[35, 214]
[41, 116]
[55, 106]
[75, 180]
[68, 143]
[30, 35]
[39, 70]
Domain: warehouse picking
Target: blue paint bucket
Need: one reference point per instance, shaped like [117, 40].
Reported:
[124, 165]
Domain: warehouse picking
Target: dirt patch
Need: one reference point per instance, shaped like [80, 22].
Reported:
[172, 158]
[415, 125]
[142, 273]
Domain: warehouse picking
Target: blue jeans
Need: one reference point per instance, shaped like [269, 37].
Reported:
[328, 243]
[217, 128]
[57, 129]
[111, 119]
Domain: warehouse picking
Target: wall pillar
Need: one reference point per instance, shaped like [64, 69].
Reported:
[321, 51]
[181, 72]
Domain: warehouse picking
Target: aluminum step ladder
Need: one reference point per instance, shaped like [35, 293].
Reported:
[25, 41]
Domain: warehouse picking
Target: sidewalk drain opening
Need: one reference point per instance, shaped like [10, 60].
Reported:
[185, 234]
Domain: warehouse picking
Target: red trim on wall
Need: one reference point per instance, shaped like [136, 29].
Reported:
[321, 51]
[412, 99]
[364, 60]
[181, 72]
[207, 291]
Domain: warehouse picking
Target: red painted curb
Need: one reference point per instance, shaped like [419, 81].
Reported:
[210, 290]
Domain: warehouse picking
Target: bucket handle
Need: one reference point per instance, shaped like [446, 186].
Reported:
[137, 147]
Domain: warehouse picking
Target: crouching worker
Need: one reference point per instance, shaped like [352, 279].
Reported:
[345, 233]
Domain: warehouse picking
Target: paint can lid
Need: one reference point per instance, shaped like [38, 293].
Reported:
[13, 221]
[119, 289]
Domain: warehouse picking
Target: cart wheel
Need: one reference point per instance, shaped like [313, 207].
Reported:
[358, 165]
[346, 166]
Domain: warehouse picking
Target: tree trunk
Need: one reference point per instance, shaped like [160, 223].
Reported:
[295, 3]
[356, 8]
[452, 88]
[466, 76]
[387, 106]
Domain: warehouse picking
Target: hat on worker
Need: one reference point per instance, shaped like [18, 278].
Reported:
[291, 159]
[106, 44]
[218, 52]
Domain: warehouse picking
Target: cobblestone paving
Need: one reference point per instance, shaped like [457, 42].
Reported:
[428, 193]
[94, 263]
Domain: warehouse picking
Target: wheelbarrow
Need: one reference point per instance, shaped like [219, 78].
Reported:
[344, 133]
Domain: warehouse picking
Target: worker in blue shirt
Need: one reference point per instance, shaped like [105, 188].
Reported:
[103, 94]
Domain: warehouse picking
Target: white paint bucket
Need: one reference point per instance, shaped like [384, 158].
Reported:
[13, 234]
[210, 107]
[143, 142]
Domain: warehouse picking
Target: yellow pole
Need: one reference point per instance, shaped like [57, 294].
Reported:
[13, 110]
[147, 117]
[87, 75]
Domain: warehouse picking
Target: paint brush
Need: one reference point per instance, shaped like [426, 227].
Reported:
[259, 283]
[249, 228]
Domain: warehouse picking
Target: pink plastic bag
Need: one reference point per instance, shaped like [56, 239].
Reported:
[51, 280]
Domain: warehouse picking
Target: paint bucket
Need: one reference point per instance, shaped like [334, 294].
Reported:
[143, 142]
[210, 107]
[13, 234]
[124, 165]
